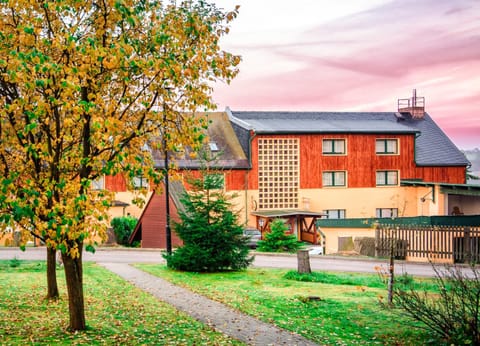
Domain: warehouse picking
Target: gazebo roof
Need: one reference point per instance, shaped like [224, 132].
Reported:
[287, 213]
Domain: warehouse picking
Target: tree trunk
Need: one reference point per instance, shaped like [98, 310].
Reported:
[303, 262]
[52, 287]
[74, 277]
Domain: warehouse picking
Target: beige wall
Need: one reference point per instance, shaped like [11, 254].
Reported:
[244, 203]
[132, 209]
[332, 235]
[126, 197]
[6, 239]
[425, 204]
[358, 202]
[363, 202]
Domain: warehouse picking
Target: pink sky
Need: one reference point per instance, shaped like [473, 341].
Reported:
[358, 55]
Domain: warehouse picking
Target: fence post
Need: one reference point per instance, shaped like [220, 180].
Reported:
[467, 245]
[377, 240]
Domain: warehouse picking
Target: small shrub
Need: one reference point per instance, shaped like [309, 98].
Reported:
[334, 279]
[278, 241]
[454, 312]
[123, 228]
[405, 280]
[15, 262]
[136, 244]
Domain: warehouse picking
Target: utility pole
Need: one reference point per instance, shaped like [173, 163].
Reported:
[168, 232]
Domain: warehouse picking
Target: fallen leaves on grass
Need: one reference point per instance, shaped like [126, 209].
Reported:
[116, 313]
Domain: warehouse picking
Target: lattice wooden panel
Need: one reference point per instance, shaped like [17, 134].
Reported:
[278, 173]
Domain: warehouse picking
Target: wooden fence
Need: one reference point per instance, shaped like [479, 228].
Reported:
[457, 244]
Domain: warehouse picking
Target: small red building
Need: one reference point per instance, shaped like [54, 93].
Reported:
[223, 143]
[151, 229]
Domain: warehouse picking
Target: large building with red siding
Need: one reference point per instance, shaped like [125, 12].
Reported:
[302, 166]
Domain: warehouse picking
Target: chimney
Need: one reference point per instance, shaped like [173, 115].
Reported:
[414, 106]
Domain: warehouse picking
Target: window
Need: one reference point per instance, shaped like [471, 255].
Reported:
[333, 147]
[99, 183]
[387, 178]
[334, 178]
[213, 146]
[386, 212]
[335, 213]
[278, 173]
[140, 182]
[386, 146]
[214, 181]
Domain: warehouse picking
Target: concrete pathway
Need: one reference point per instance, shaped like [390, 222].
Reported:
[220, 317]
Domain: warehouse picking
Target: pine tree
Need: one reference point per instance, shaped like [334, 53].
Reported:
[277, 240]
[213, 240]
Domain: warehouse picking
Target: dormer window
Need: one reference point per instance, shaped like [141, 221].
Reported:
[213, 146]
[146, 148]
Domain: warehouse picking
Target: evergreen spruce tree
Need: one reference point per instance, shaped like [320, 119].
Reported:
[277, 240]
[212, 238]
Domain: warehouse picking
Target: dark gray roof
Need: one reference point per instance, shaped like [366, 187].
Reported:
[117, 203]
[433, 147]
[316, 122]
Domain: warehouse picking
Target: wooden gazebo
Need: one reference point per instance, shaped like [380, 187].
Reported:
[303, 221]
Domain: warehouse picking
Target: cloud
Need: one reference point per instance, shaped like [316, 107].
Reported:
[392, 40]
[365, 60]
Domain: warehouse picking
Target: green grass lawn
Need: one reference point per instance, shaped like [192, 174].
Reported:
[348, 312]
[117, 313]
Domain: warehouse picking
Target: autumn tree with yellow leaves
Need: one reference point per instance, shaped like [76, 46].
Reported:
[84, 86]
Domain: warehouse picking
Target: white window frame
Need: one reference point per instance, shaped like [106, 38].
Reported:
[140, 182]
[384, 143]
[98, 184]
[387, 180]
[333, 175]
[386, 212]
[335, 213]
[334, 147]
